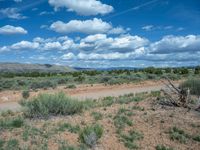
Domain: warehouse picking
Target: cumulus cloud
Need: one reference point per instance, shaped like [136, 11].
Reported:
[117, 30]
[82, 7]
[174, 44]
[87, 26]
[105, 56]
[123, 43]
[68, 56]
[4, 49]
[41, 44]
[24, 45]
[8, 29]
[12, 13]
[102, 47]
[52, 45]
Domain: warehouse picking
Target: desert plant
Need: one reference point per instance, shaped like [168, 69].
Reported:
[45, 105]
[193, 85]
[162, 147]
[25, 94]
[128, 98]
[178, 134]
[197, 138]
[121, 120]
[2, 142]
[71, 86]
[130, 138]
[43, 84]
[91, 134]
[107, 101]
[69, 127]
[9, 123]
[97, 116]
[12, 144]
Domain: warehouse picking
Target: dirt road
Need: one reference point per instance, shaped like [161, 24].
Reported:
[9, 99]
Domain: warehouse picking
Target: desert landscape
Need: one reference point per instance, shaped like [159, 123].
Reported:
[99, 75]
[80, 114]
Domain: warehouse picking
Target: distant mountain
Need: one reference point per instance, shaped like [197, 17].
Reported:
[109, 69]
[22, 68]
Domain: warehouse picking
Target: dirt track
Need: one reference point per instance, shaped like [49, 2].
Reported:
[9, 99]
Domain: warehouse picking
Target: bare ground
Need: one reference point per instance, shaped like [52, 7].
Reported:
[154, 122]
[9, 99]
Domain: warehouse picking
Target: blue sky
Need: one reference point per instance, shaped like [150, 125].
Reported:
[101, 33]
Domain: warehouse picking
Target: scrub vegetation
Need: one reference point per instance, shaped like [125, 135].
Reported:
[39, 80]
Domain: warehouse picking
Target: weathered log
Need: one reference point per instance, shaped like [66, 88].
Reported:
[178, 97]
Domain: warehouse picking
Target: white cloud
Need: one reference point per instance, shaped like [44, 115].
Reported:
[152, 27]
[104, 56]
[87, 26]
[129, 41]
[123, 43]
[38, 43]
[117, 30]
[4, 49]
[46, 13]
[44, 26]
[8, 29]
[99, 48]
[52, 46]
[174, 44]
[24, 45]
[12, 13]
[94, 38]
[68, 56]
[82, 7]
[148, 27]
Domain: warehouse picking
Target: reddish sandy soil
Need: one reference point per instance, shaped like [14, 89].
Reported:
[94, 91]
[154, 122]
[9, 99]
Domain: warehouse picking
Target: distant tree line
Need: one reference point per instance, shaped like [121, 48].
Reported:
[149, 70]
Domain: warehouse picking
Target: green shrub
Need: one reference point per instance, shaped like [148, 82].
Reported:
[65, 146]
[162, 147]
[69, 127]
[2, 142]
[155, 93]
[12, 144]
[7, 113]
[43, 84]
[130, 138]
[193, 85]
[197, 138]
[107, 101]
[97, 115]
[7, 123]
[91, 134]
[45, 105]
[25, 94]
[178, 134]
[71, 86]
[120, 121]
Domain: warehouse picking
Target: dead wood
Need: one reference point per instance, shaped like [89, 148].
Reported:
[175, 96]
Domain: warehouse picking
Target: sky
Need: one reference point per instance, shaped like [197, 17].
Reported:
[101, 33]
